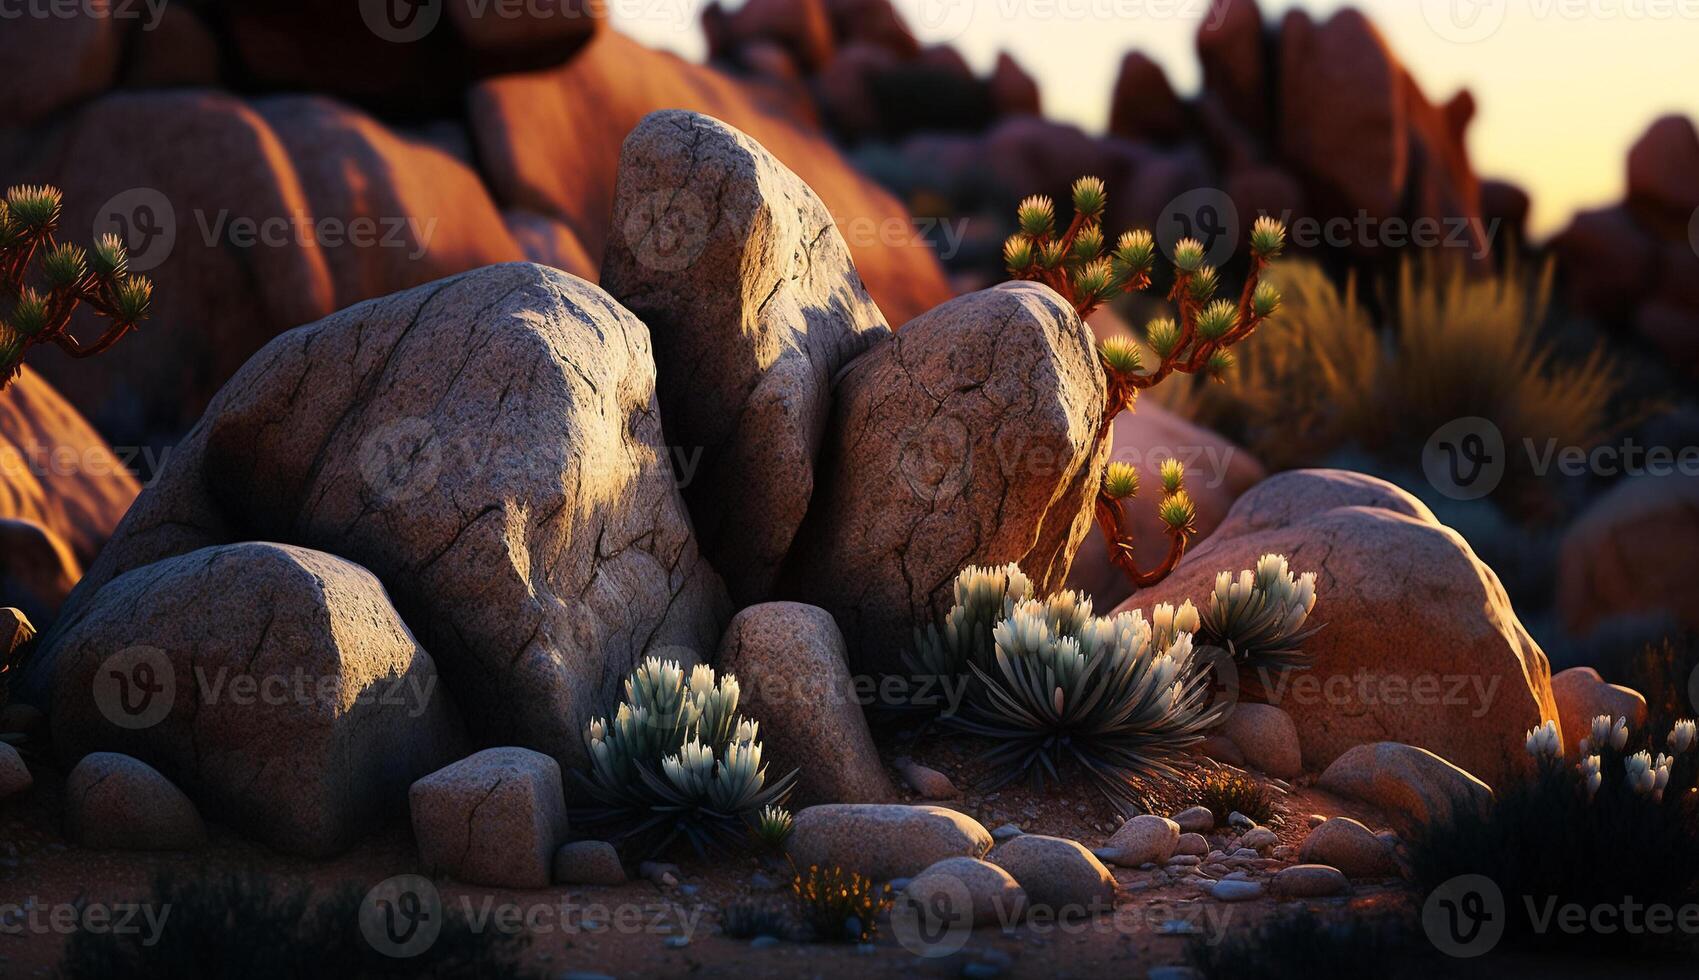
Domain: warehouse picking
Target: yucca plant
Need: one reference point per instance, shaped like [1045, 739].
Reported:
[1078, 264]
[1051, 685]
[1617, 826]
[839, 905]
[1260, 617]
[43, 281]
[678, 761]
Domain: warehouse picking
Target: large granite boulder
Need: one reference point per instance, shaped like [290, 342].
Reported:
[884, 841]
[1419, 642]
[754, 305]
[274, 684]
[970, 437]
[489, 447]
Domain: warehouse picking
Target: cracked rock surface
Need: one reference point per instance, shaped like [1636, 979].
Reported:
[274, 684]
[969, 437]
[1419, 645]
[493, 818]
[754, 305]
[489, 447]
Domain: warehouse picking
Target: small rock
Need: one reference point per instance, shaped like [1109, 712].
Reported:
[1195, 820]
[1194, 844]
[1236, 891]
[992, 893]
[1175, 972]
[676, 942]
[1315, 820]
[588, 862]
[979, 970]
[1184, 860]
[1259, 838]
[764, 942]
[114, 801]
[15, 779]
[1310, 881]
[1244, 854]
[495, 817]
[1351, 847]
[1413, 786]
[885, 841]
[928, 782]
[763, 883]
[1005, 832]
[1267, 738]
[1144, 839]
[1056, 874]
[1284, 852]
[1238, 821]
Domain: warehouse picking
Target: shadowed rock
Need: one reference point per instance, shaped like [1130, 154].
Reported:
[274, 684]
[968, 438]
[748, 290]
[488, 445]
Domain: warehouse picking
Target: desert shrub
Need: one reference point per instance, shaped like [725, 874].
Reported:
[1084, 269]
[748, 918]
[261, 929]
[677, 761]
[1226, 792]
[1455, 343]
[44, 281]
[1051, 685]
[1260, 617]
[839, 905]
[1620, 825]
[773, 826]
[1301, 945]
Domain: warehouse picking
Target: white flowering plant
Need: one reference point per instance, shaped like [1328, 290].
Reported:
[1051, 685]
[678, 761]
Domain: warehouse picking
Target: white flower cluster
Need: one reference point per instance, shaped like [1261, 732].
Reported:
[1642, 773]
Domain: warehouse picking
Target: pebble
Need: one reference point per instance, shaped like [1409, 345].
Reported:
[1236, 891]
[1184, 860]
[1195, 820]
[1315, 820]
[1238, 821]
[1006, 831]
[1259, 838]
[763, 883]
[764, 942]
[1195, 844]
[1173, 973]
[676, 942]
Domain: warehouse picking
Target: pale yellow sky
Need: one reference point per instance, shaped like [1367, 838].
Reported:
[1564, 87]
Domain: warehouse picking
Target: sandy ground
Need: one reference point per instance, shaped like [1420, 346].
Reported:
[645, 929]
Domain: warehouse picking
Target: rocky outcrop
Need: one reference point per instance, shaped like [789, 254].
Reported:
[793, 673]
[1618, 556]
[494, 818]
[489, 447]
[549, 142]
[1419, 642]
[968, 438]
[275, 685]
[749, 292]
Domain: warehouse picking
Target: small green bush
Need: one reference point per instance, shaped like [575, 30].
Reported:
[839, 905]
[678, 761]
[1226, 792]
